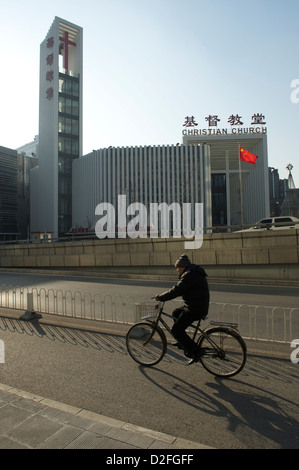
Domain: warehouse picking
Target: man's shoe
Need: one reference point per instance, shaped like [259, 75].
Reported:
[177, 345]
[193, 360]
[197, 356]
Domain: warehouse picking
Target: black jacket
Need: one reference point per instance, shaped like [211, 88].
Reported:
[193, 287]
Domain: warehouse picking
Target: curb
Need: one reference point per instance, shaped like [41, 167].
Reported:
[254, 346]
[158, 438]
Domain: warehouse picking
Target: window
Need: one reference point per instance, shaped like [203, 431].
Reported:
[283, 221]
[68, 126]
[68, 106]
[68, 145]
[68, 86]
[264, 223]
[75, 108]
[219, 211]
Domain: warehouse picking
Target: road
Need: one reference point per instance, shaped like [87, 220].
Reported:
[256, 409]
[222, 292]
[114, 299]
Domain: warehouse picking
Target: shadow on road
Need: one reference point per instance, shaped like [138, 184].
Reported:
[252, 413]
[64, 334]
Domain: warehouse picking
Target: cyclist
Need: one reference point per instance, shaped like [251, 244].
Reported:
[194, 289]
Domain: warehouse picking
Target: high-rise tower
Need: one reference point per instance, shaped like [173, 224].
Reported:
[60, 128]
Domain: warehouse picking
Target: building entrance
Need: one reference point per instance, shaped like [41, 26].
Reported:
[219, 206]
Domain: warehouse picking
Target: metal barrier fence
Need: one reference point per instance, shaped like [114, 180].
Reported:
[276, 324]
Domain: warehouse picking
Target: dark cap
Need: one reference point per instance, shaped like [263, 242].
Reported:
[182, 262]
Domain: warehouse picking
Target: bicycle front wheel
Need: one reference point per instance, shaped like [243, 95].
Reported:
[225, 354]
[146, 344]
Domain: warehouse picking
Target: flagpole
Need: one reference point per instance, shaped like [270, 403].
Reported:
[241, 190]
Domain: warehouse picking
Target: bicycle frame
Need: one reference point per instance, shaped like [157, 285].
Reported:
[160, 319]
[231, 326]
[220, 348]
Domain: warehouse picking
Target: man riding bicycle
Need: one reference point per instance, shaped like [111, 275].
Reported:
[194, 289]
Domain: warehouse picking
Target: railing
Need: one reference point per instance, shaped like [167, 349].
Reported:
[259, 322]
[276, 324]
[69, 303]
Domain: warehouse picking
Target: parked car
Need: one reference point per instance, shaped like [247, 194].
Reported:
[274, 223]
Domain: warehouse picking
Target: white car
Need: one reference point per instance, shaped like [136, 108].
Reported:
[274, 223]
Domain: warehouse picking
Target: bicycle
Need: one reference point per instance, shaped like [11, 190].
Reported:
[224, 349]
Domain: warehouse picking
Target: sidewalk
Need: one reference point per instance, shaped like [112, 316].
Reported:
[32, 422]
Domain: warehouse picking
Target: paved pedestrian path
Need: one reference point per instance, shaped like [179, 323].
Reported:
[30, 421]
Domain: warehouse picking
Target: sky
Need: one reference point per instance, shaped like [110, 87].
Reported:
[147, 64]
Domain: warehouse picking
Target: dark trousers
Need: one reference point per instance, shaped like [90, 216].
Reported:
[183, 317]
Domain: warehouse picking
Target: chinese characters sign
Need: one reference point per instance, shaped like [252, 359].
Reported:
[50, 72]
[257, 122]
[64, 44]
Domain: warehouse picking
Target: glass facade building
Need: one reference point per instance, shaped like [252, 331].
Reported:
[8, 194]
[68, 146]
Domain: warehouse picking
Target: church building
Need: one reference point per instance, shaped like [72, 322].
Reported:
[60, 128]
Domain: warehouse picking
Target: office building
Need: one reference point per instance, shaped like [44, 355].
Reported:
[148, 174]
[8, 194]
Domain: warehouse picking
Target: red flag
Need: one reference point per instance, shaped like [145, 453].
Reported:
[247, 156]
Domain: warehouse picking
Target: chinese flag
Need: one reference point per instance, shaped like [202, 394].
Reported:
[247, 156]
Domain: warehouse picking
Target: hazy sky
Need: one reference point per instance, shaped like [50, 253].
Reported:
[150, 63]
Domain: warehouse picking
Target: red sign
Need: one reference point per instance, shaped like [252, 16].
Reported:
[49, 93]
[50, 73]
[50, 42]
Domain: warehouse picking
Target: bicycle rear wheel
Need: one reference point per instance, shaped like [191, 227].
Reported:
[146, 344]
[225, 352]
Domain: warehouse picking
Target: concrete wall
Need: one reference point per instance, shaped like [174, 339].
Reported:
[256, 256]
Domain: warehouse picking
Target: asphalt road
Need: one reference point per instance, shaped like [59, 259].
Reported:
[256, 409]
[115, 299]
[231, 293]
